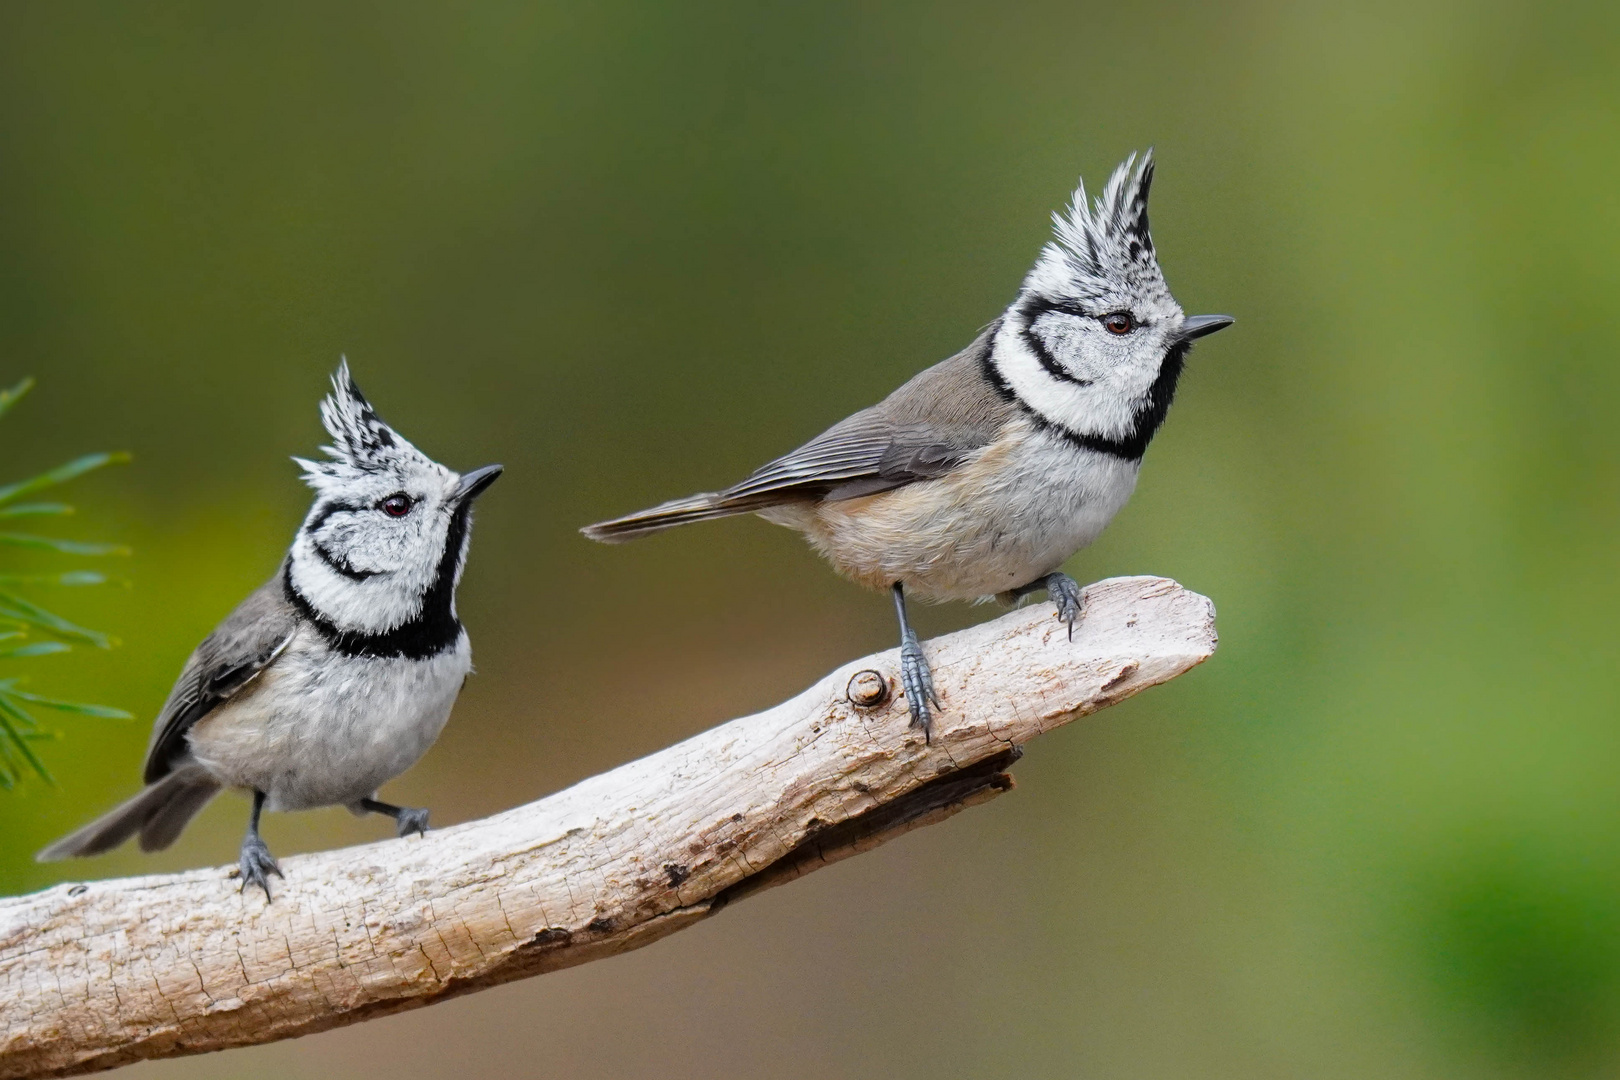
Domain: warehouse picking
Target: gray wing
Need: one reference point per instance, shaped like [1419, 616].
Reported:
[921, 431]
[241, 647]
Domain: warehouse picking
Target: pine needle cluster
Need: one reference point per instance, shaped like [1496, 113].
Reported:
[28, 630]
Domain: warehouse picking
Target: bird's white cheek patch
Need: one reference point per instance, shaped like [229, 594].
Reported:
[1066, 341]
[1084, 410]
[375, 605]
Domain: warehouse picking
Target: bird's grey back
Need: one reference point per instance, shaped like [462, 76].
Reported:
[922, 430]
[953, 402]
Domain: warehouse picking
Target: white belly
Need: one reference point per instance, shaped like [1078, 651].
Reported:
[1011, 515]
[319, 729]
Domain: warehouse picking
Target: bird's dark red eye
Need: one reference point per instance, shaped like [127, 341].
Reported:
[1120, 322]
[397, 505]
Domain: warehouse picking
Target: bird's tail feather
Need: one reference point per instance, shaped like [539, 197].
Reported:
[675, 512]
[170, 820]
[159, 813]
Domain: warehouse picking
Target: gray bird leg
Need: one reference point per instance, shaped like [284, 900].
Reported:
[1064, 591]
[915, 678]
[256, 862]
[407, 819]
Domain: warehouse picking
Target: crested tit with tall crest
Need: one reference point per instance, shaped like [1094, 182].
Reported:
[337, 674]
[982, 474]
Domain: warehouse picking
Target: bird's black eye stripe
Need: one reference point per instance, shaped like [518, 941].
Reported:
[396, 505]
[327, 510]
[1116, 322]
[1041, 305]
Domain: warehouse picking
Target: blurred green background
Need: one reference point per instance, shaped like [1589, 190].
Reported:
[634, 250]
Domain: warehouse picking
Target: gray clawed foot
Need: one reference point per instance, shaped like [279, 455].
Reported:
[1065, 593]
[918, 684]
[407, 819]
[915, 678]
[256, 864]
[1063, 590]
[412, 819]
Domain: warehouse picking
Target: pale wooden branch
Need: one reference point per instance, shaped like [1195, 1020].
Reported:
[98, 975]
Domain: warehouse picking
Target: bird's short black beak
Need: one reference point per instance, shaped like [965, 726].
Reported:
[473, 484]
[1197, 326]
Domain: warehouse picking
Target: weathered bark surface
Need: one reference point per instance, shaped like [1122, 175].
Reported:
[105, 973]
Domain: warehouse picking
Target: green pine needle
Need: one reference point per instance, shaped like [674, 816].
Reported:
[8, 398]
[16, 725]
[36, 510]
[33, 648]
[21, 618]
[102, 712]
[17, 609]
[67, 577]
[54, 543]
[61, 474]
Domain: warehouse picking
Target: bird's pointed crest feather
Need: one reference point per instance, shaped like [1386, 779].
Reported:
[361, 441]
[1100, 244]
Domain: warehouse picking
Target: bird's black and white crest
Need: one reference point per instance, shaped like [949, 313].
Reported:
[361, 441]
[1093, 345]
[1102, 250]
[382, 548]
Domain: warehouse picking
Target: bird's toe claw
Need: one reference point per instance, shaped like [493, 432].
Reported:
[412, 819]
[1065, 593]
[256, 864]
[917, 682]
